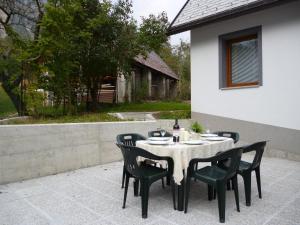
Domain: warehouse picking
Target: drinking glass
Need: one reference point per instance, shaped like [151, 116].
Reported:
[163, 132]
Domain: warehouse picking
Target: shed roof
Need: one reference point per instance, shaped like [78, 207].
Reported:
[154, 61]
[200, 12]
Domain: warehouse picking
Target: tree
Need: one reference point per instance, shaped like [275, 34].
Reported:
[19, 26]
[178, 58]
[66, 46]
[84, 40]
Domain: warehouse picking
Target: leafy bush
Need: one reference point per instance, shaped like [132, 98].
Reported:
[34, 100]
[196, 127]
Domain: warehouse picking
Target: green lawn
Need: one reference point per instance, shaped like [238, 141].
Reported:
[166, 110]
[182, 114]
[6, 106]
[146, 107]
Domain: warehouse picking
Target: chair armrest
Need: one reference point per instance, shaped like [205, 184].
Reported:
[145, 154]
[218, 157]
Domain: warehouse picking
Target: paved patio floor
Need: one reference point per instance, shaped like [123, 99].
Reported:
[93, 196]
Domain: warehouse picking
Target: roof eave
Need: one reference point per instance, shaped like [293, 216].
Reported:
[239, 11]
[146, 66]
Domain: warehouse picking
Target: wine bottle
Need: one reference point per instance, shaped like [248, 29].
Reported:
[176, 130]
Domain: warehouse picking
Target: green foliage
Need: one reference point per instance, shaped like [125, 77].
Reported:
[34, 100]
[84, 40]
[142, 92]
[153, 32]
[196, 127]
[185, 114]
[178, 58]
[75, 44]
[6, 106]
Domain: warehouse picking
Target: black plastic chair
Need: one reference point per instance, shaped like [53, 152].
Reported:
[157, 133]
[246, 168]
[147, 174]
[234, 135]
[129, 139]
[216, 178]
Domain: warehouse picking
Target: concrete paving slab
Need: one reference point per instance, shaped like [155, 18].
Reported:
[93, 196]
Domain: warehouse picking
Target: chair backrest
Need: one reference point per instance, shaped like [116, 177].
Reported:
[234, 156]
[129, 139]
[234, 135]
[157, 133]
[259, 148]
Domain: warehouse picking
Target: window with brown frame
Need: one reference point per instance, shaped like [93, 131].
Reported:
[241, 59]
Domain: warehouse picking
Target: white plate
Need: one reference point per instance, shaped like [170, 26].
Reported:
[208, 135]
[194, 142]
[158, 142]
[159, 138]
[216, 139]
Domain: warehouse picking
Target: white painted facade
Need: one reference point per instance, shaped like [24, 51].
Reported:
[277, 101]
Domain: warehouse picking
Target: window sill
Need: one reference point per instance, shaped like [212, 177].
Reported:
[239, 87]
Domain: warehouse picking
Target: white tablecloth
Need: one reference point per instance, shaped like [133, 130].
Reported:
[182, 153]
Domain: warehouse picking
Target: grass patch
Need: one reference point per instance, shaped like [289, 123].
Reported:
[6, 106]
[146, 107]
[185, 114]
[84, 118]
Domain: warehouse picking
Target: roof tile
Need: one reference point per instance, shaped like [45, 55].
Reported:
[153, 61]
[199, 9]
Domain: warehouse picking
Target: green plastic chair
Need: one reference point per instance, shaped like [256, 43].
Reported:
[157, 133]
[245, 169]
[147, 174]
[216, 178]
[129, 139]
[234, 135]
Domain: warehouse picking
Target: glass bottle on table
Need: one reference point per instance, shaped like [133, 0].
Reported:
[176, 130]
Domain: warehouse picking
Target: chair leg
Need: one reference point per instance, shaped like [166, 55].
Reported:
[145, 197]
[257, 172]
[123, 177]
[221, 201]
[163, 183]
[210, 190]
[187, 192]
[236, 192]
[169, 180]
[215, 193]
[196, 168]
[136, 187]
[125, 190]
[247, 186]
[228, 185]
[173, 194]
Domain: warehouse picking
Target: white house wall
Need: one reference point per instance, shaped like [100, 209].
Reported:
[277, 101]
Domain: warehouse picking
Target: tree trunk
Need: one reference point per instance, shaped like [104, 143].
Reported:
[94, 94]
[94, 97]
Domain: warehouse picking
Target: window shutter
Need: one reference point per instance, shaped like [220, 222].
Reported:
[245, 61]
